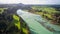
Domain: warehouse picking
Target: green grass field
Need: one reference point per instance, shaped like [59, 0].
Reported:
[45, 11]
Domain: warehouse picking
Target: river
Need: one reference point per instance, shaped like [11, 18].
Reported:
[36, 22]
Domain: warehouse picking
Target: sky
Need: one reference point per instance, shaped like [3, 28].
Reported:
[30, 1]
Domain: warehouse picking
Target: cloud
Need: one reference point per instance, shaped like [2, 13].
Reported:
[31, 1]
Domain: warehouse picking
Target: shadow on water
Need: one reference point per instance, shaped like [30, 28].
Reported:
[56, 32]
[32, 32]
[49, 28]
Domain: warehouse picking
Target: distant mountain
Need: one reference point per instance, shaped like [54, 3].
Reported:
[18, 6]
[23, 6]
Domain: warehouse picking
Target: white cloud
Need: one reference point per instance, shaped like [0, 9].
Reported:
[9, 1]
[31, 1]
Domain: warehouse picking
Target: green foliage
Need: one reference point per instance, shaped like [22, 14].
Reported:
[48, 10]
[20, 26]
[16, 21]
[2, 10]
[45, 10]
